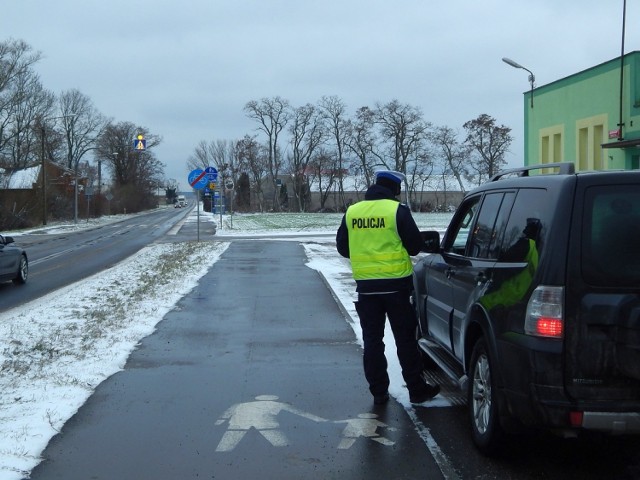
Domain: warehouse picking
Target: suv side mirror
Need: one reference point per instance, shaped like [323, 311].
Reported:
[431, 241]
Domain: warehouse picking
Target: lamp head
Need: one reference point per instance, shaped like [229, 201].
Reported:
[508, 61]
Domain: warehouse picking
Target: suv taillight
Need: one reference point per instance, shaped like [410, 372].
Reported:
[544, 317]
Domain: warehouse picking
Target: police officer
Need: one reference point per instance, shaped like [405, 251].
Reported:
[378, 235]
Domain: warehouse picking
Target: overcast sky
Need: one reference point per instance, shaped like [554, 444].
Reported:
[185, 70]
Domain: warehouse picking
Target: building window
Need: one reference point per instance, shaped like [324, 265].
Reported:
[590, 136]
[551, 148]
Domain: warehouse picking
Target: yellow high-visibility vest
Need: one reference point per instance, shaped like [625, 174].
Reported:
[375, 249]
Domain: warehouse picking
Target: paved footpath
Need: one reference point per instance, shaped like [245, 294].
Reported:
[255, 375]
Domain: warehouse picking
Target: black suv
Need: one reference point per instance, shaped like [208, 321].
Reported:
[532, 302]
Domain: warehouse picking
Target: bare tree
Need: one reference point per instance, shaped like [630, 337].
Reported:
[323, 171]
[135, 173]
[16, 57]
[405, 131]
[453, 155]
[23, 104]
[17, 80]
[491, 142]
[216, 153]
[272, 114]
[31, 126]
[306, 136]
[222, 154]
[253, 164]
[363, 142]
[201, 157]
[82, 125]
[338, 127]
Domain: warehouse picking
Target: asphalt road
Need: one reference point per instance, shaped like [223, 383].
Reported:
[59, 259]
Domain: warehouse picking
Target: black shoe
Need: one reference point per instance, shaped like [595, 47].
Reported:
[429, 392]
[381, 399]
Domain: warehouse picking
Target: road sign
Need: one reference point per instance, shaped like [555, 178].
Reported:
[198, 179]
[140, 143]
[212, 174]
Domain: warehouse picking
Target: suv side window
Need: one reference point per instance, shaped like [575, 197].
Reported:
[487, 234]
[528, 219]
[464, 220]
[501, 224]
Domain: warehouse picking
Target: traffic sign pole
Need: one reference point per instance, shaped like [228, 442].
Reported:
[198, 180]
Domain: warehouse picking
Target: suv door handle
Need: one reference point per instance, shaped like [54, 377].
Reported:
[481, 278]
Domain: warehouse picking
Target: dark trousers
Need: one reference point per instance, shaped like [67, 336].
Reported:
[373, 311]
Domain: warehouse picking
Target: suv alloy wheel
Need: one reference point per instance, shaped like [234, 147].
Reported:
[483, 404]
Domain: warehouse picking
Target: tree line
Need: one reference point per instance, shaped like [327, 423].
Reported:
[38, 126]
[322, 145]
[316, 147]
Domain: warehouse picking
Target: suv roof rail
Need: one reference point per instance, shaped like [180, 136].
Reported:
[564, 168]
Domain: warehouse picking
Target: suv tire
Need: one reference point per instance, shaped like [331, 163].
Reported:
[486, 430]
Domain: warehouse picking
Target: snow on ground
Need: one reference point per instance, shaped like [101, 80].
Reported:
[56, 350]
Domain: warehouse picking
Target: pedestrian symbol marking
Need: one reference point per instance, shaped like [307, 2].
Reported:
[365, 426]
[261, 415]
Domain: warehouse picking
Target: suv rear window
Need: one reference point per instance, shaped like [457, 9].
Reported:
[611, 236]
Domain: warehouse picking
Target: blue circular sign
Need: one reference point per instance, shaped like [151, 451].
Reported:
[198, 179]
[212, 173]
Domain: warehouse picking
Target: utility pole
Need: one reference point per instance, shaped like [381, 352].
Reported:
[44, 174]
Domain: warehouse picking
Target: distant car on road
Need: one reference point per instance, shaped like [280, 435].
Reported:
[14, 264]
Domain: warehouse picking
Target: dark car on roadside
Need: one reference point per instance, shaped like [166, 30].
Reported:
[14, 264]
[531, 302]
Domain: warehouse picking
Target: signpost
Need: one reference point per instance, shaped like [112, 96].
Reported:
[228, 184]
[109, 197]
[203, 180]
[198, 180]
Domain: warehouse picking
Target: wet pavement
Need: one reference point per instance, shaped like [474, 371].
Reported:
[255, 374]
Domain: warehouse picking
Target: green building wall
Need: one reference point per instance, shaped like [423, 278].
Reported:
[575, 119]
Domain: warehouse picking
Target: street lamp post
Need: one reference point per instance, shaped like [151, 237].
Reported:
[75, 195]
[532, 77]
[98, 202]
[44, 174]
